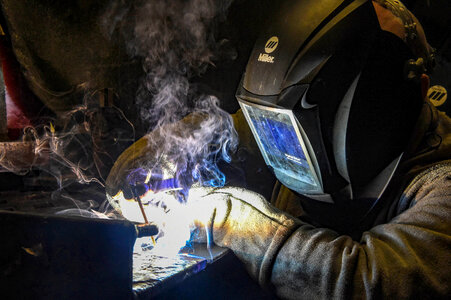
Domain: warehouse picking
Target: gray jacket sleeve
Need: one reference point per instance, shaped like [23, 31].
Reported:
[409, 257]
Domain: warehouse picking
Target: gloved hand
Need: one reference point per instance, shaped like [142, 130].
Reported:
[137, 172]
[149, 165]
[242, 221]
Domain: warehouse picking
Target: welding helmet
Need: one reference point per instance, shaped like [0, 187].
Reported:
[326, 95]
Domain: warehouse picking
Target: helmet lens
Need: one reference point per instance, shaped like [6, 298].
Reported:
[279, 138]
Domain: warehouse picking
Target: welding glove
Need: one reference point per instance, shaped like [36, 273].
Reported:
[243, 221]
[131, 169]
[147, 161]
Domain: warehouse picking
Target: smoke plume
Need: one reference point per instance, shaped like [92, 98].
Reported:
[175, 42]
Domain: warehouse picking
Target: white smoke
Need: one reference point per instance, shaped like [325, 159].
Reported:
[175, 41]
[69, 157]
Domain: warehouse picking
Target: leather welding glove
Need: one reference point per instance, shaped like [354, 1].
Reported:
[243, 221]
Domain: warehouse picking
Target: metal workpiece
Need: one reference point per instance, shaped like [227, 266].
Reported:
[155, 275]
[55, 257]
[198, 272]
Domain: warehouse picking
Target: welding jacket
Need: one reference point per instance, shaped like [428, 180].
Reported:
[401, 251]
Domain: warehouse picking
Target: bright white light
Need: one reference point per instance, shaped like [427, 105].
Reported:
[167, 213]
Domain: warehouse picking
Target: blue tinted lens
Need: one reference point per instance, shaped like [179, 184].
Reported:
[282, 147]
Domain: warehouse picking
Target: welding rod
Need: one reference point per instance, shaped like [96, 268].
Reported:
[142, 210]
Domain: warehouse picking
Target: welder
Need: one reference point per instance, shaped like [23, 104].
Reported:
[332, 102]
[334, 97]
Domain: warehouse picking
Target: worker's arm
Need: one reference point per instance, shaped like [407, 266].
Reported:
[405, 258]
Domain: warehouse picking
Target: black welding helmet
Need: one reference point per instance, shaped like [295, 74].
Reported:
[327, 99]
